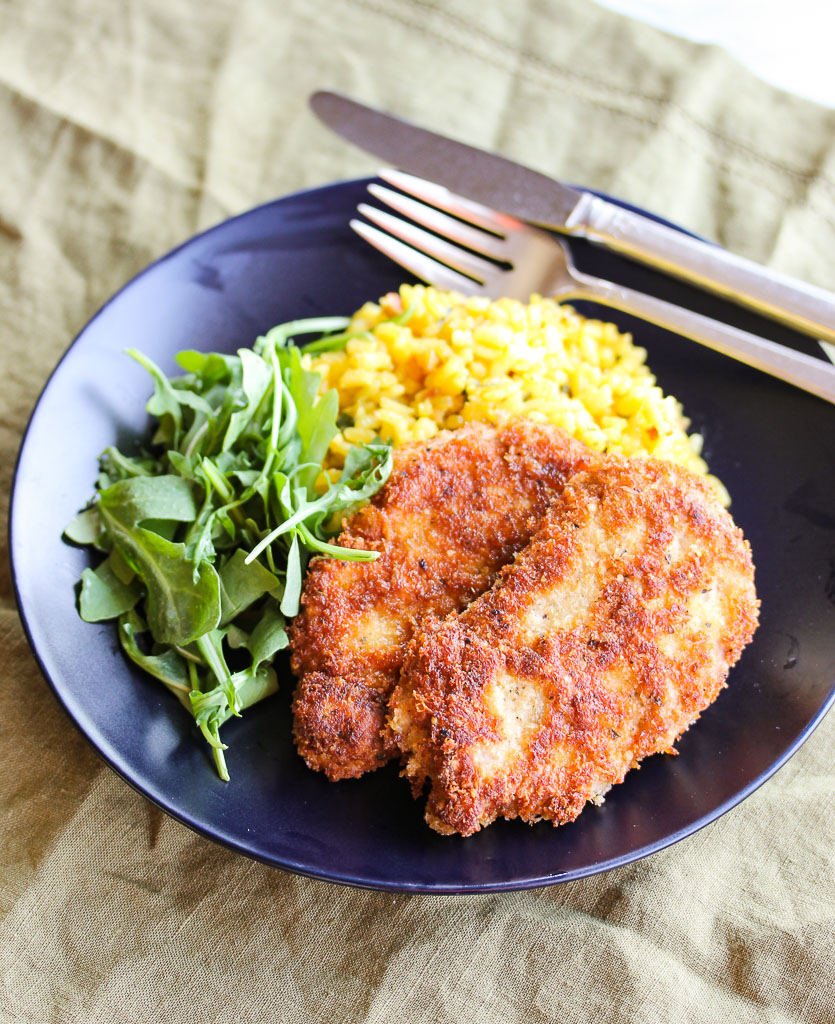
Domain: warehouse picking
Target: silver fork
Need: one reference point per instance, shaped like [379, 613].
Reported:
[536, 261]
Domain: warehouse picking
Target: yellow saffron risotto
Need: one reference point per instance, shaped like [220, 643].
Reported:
[425, 360]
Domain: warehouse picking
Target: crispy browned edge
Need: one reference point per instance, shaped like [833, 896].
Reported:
[454, 511]
[451, 661]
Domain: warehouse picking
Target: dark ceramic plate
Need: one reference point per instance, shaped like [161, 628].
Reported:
[772, 445]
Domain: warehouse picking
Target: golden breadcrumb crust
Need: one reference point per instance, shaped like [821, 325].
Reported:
[604, 640]
[454, 511]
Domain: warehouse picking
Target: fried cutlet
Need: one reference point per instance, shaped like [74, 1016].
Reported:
[600, 645]
[453, 512]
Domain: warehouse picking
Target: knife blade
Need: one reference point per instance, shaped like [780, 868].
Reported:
[511, 188]
[485, 177]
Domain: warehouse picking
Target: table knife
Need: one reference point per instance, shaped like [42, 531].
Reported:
[511, 188]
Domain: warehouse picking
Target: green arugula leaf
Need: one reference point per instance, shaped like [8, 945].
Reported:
[168, 666]
[149, 498]
[119, 467]
[120, 567]
[366, 470]
[85, 528]
[163, 403]
[269, 636]
[211, 367]
[317, 428]
[303, 386]
[293, 580]
[257, 378]
[179, 607]
[104, 596]
[241, 584]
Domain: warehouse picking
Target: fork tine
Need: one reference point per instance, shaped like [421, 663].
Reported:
[449, 227]
[459, 259]
[438, 195]
[415, 262]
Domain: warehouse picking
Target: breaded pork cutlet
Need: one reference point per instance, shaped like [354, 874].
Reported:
[605, 639]
[453, 512]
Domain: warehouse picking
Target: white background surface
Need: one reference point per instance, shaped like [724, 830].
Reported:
[790, 43]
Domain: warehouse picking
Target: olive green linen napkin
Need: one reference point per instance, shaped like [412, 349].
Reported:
[127, 127]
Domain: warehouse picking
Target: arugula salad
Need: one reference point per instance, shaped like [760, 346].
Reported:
[207, 534]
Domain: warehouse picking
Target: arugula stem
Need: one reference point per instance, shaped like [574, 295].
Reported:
[289, 524]
[290, 420]
[217, 481]
[312, 325]
[332, 343]
[335, 342]
[220, 762]
[214, 659]
[127, 466]
[221, 485]
[188, 655]
[198, 437]
[334, 550]
[406, 315]
[193, 677]
[278, 394]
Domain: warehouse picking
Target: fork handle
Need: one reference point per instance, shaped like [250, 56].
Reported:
[803, 371]
[802, 306]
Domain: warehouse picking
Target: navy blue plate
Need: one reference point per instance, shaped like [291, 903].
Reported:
[773, 446]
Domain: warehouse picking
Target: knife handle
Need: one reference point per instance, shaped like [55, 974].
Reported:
[802, 306]
[806, 372]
